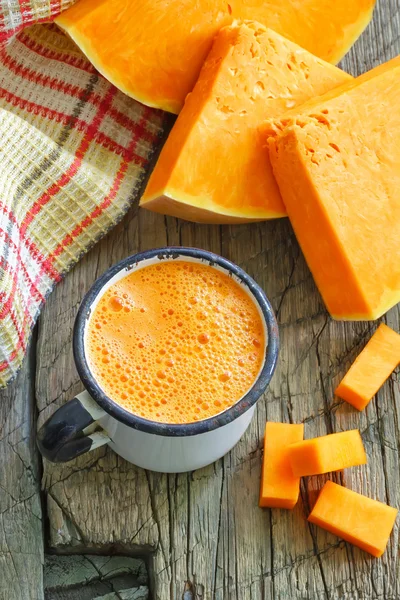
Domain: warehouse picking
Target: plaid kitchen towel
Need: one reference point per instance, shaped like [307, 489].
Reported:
[73, 154]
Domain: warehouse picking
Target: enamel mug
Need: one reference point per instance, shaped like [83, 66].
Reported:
[93, 419]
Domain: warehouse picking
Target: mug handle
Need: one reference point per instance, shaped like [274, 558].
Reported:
[63, 436]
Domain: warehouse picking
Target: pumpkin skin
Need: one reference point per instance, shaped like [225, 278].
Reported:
[214, 167]
[153, 50]
[336, 164]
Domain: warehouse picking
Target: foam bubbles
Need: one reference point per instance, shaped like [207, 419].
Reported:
[177, 342]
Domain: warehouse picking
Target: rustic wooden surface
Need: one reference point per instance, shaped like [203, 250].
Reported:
[92, 577]
[21, 540]
[202, 533]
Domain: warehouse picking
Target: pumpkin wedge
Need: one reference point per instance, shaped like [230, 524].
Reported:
[153, 51]
[214, 167]
[336, 164]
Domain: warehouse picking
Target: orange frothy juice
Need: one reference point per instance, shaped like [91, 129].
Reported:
[175, 342]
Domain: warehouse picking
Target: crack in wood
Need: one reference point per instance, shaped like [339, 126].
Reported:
[217, 548]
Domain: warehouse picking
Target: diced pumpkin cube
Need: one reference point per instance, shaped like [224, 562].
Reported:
[279, 487]
[371, 368]
[357, 519]
[327, 453]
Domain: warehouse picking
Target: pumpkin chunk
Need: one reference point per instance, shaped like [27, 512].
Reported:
[327, 453]
[153, 51]
[357, 519]
[371, 368]
[279, 487]
[336, 164]
[214, 167]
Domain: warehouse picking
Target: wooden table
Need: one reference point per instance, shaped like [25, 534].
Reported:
[201, 534]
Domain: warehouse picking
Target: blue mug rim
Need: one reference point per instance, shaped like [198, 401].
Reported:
[181, 429]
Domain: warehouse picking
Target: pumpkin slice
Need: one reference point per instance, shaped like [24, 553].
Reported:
[371, 368]
[279, 487]
[214, 167]
[153, 51]
[336, 164]
[364, 522]
[327, 453]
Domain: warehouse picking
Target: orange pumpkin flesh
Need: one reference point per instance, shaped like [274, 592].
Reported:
[327, 453]
[214, 167]
[153, 51]
[357, 519]
[371, 368]
[279, 487]
[336, 165]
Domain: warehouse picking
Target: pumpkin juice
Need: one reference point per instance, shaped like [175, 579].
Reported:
[175, 342]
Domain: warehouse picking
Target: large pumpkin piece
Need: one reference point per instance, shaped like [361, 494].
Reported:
[214, 167]
[153, 50]
[337, 166]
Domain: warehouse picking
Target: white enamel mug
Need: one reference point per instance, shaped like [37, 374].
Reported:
[93, 419]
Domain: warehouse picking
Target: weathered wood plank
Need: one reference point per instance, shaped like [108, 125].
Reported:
[207, 536]
[92, 577]
[21, 539]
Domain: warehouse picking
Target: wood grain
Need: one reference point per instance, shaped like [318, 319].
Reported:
[204, 532]
[21, 540]
[92, 577]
